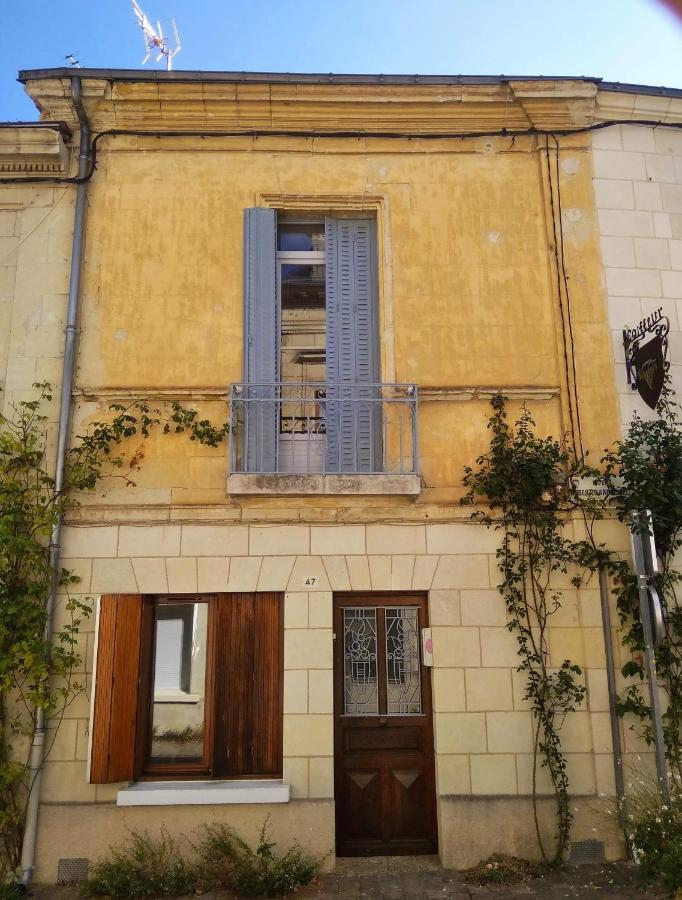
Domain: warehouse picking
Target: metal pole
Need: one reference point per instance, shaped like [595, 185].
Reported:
[37, 753]
[611, 684]
[654, 698]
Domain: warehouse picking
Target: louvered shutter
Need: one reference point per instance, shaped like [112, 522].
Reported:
[115, 711]
[353, 413]
[249, 684]
[262, 340]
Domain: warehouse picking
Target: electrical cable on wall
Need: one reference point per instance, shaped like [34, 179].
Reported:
[388, 135]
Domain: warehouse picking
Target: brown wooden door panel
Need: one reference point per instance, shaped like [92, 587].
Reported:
[407, 796]
[363, 789]
[384, 768]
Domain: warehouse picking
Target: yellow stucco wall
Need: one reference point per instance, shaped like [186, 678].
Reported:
[469, 295]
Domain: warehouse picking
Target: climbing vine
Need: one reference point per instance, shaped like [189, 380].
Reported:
[644, 471]
[36, 673]
[526, 482]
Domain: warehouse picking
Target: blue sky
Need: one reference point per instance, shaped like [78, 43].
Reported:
[620, 40]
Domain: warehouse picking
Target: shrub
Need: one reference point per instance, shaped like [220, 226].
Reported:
[143, 867]
[229, 861]
[148, 867]
[655, 834]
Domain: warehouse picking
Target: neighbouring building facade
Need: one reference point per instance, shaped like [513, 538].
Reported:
[347, 269]
[638, 192]
[36, 222]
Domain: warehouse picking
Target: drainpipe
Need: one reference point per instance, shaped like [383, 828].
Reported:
[37, 753]
[611, 683]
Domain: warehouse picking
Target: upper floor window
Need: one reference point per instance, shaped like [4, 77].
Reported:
[312, 398]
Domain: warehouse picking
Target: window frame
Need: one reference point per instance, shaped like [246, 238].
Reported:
[219, 663]
[197, 769]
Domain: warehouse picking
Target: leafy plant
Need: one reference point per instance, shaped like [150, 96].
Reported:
[644, 471]
[262, 872]
[146, 867]
[34, 674]
[654, 833]
[37, 674]
[526, 482]
[143, 867]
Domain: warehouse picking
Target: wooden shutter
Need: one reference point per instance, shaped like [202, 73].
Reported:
[249, 684]
[353, 427]
[268, 684]
[115, 712]
[261, 340]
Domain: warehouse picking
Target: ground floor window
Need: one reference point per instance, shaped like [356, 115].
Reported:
[188, 686]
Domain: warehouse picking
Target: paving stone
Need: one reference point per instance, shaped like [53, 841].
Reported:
[391, 890]
[600, 882]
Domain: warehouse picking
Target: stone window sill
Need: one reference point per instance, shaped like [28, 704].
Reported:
[199, 793]
[324, 484]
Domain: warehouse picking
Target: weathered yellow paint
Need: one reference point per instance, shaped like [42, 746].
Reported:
[469, 291]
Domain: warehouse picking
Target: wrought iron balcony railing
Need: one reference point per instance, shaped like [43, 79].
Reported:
[323, 428]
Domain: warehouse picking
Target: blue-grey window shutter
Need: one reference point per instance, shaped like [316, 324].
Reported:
[353, 413]
[261, 341]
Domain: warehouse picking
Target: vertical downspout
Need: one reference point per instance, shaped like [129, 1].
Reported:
[611, 684]
[37, 754]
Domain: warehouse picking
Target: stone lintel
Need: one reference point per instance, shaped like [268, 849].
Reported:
[323, 484]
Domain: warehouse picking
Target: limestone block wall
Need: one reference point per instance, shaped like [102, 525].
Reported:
[36, 224]
[482, 724]
[638, 191]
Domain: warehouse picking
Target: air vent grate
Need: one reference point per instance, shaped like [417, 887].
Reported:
[585, 853]
[72, 869]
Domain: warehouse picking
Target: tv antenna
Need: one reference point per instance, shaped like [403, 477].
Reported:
[73, 61]
[154, 39]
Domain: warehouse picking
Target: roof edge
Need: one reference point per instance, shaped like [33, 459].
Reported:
[160, 75]
[25, 75]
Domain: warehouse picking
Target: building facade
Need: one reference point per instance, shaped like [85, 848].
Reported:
[346, 269]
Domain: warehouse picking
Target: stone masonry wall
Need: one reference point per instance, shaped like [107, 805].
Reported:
[482, 723]
[638, 189]
[36, 224]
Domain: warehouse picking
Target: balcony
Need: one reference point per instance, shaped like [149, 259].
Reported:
[323, 438]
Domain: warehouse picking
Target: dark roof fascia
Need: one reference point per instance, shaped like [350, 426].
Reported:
[279, 77]
[619, 87]
[158, 75]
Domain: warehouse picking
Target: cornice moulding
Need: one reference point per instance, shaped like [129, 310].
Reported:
[371, 108]
[32, 151]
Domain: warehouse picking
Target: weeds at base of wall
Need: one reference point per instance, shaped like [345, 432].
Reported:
[149, 867]
[654, 833]
[502, 869]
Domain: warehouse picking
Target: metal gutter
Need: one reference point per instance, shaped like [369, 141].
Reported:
[618, 87]
[159, 75]
[37, 754]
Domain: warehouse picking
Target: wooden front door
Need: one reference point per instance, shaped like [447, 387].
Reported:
[383, 731]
